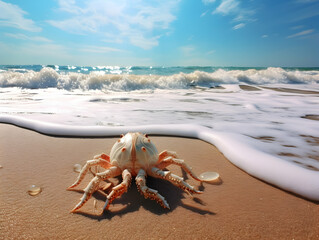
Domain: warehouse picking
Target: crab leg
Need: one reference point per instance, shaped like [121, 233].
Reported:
[94, 185]
[90, 163]
[103, 156]
[149, 192]
[164, 154]
[179, 162]
[119, 189]
[176, 180]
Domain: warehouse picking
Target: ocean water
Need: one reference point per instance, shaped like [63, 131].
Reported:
[268, 116]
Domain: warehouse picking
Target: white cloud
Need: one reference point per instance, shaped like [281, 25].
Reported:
[204, 13]
[210, 52]
[264, 36]
[245, 15]
[34, 53]
[297, 27]
[75, 25]
[112, 38]
[42, 53]
[238, 26]
[306, 1]
[208, 1]
[97, 49]
[234, 9]
[153, 17]
[25, 37]
[187, 50]
[119, 21]
[302, 33]
[69, 6]
[13, 16]
[142, 42]
[306, 12]
[227, 7]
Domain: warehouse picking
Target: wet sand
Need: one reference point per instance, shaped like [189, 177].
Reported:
[290, 90]
[311, 117]
[240, 207]
[249, 88]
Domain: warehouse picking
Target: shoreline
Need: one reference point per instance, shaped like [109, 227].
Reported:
[240, 206]
[251, 160]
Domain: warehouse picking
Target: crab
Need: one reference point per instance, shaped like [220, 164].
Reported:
[133, 155]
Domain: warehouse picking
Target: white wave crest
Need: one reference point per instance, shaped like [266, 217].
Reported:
[50, 78]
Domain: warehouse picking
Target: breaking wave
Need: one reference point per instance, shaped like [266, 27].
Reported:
[51, 78]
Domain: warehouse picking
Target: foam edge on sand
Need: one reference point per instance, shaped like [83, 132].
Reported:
[236, 148]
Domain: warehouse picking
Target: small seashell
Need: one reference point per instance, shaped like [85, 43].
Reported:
[34, 190]
[77, 168]
[209, 176]
[1, 167]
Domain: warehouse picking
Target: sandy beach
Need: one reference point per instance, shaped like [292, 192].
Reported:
[231, 86]
[238, 207]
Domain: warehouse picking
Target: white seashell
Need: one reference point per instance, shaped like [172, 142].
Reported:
[209, 176]
[77, 168]
[34, 190]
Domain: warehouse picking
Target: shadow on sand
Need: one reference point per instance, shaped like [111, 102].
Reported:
[132, 200]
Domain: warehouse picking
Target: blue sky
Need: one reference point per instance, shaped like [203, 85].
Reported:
[160, 32]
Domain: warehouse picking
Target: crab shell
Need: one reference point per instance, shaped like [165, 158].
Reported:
[134, 151]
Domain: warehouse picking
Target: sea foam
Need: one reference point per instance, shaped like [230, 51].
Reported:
[54, 78]
[235, 147]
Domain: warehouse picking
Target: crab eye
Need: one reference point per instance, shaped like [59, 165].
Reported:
[145, 135]
[121, 135]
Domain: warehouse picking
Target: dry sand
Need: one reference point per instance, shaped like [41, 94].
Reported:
[240, 207]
